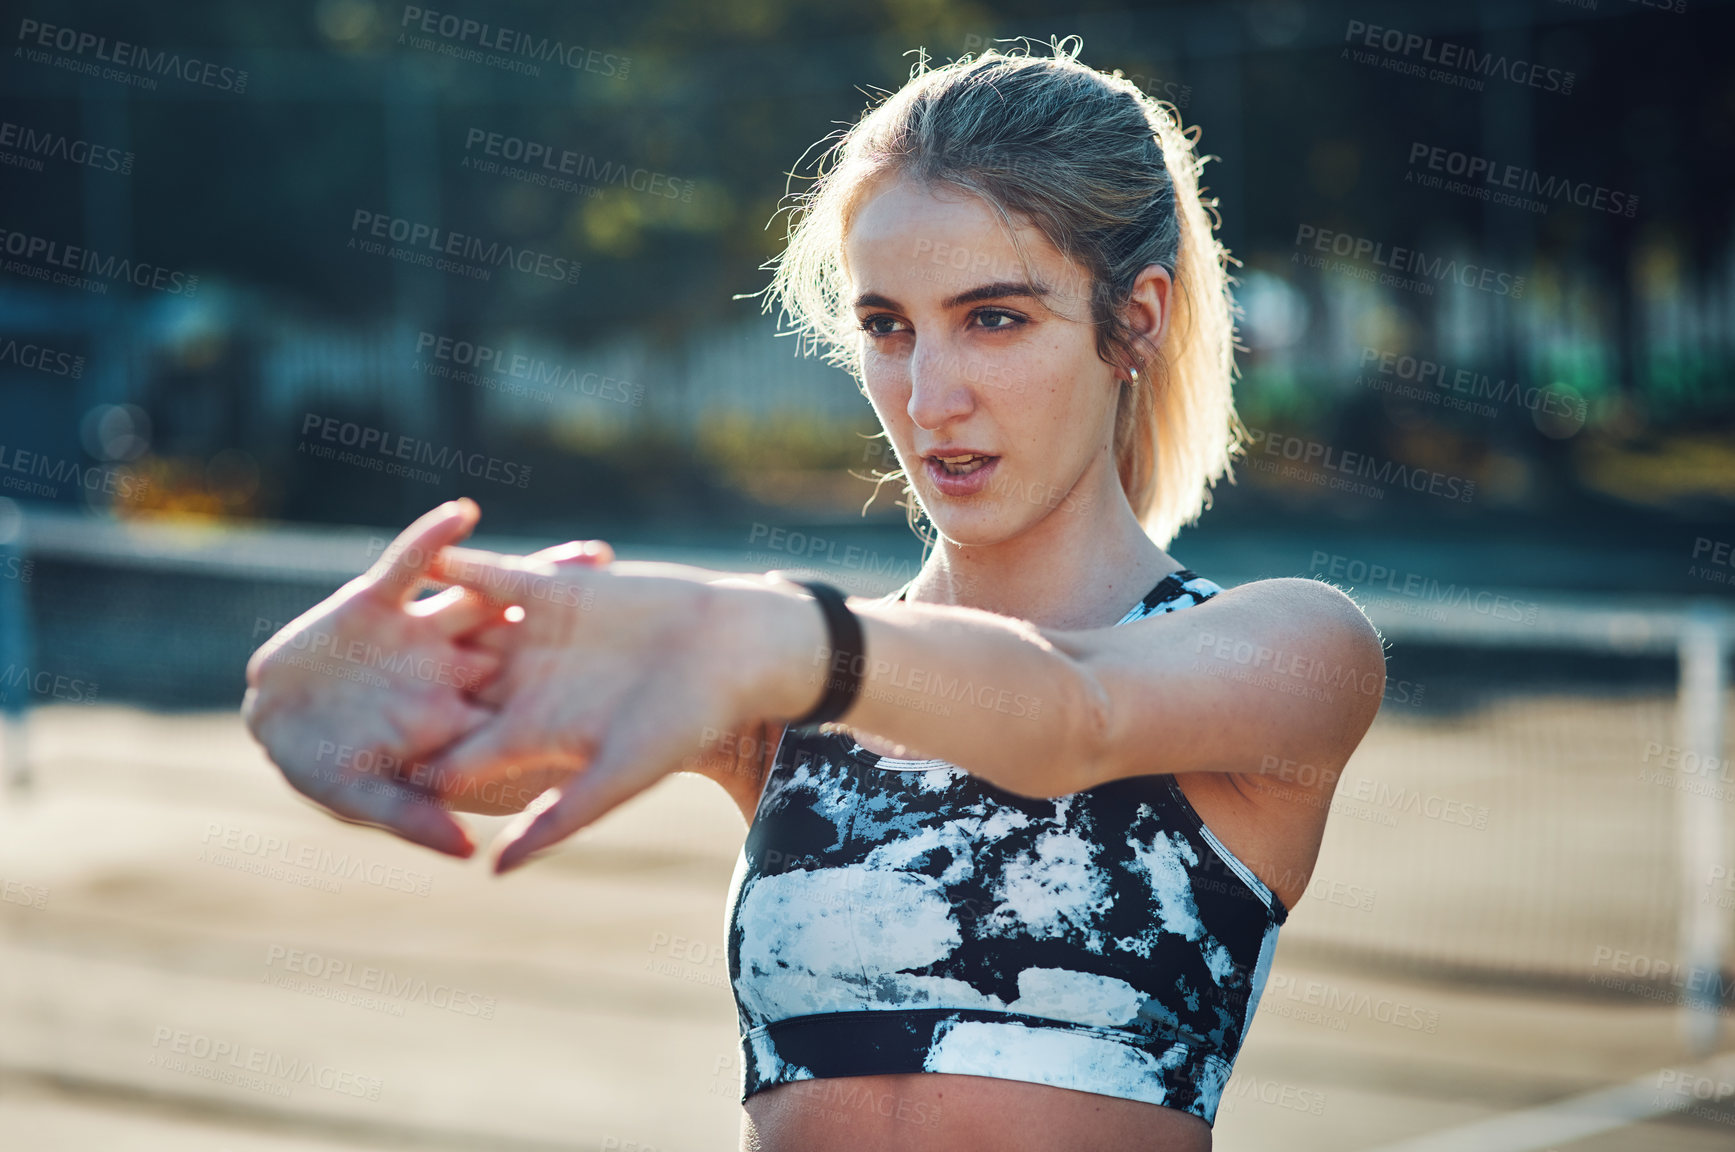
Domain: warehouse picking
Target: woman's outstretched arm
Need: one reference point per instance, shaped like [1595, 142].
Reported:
[1288, 669]
[624, 671]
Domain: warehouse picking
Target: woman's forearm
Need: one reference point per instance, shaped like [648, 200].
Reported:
[985, 692]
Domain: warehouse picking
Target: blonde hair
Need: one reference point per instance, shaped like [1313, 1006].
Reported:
[1107, 174]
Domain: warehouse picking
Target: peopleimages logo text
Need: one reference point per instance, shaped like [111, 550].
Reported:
[441, 241]
[42, 250]
[510, 42]
[1453, 57]
[104, 478]
[41, 358]
[487, 358]
[1473, 385]
[135, 56]
[57, 146]
[557, 161]
[1494, 176]
[1359, 464]
[1408, 261]
[375, 442]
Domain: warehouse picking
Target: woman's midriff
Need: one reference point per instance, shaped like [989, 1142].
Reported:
[933, 1112]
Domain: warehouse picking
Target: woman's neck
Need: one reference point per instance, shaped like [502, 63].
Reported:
[1081, 566]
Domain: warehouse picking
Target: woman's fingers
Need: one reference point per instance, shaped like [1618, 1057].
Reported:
[516, 579]
[479, 622]
[459, 612]
[587, 797]
[473, 755]
[383, 803]
[590, 553]
[496, 639]
[629, 761]
[500, 578]
[493, 692]
[394, 795]
[489, 750]
[476, 672]
[405, 564]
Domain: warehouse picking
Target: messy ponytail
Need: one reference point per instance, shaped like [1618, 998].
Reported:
[1107, 174]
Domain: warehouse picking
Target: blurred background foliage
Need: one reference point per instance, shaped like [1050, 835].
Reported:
[1627, 318]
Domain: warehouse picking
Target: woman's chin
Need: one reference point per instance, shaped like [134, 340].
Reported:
[971, 528]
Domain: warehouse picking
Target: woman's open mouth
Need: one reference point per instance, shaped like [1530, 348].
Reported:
[961, 465]
[960, 474]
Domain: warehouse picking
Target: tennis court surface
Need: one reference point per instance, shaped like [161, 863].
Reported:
[194, 959]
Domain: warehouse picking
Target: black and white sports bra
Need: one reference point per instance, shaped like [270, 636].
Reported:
[893, 916]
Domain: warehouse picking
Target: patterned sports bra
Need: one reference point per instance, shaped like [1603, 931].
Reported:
[891, 916]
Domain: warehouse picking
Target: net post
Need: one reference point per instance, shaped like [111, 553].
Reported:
[1699, 807]
[15, 660]
[14, 647]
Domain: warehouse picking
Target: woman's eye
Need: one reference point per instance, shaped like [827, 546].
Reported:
[879, 325]
[985, 317]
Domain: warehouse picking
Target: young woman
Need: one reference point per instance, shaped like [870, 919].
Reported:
[1024, 891]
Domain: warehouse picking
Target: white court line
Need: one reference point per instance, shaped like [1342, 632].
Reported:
[1535, 1129]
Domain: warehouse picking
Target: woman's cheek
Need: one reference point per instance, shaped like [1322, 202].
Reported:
[892, 410]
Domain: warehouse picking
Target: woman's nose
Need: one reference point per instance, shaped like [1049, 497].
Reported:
[941, 390]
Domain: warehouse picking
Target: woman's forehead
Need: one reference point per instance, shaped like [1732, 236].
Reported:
[943, 241]
[901, 216]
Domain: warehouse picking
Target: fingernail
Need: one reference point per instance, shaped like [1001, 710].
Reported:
[520, 850]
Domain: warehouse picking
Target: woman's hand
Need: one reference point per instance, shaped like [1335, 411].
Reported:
[370, 680]
[507, 788]
[612, 679]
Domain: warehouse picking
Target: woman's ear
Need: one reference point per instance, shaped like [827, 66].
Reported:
[1147, 309]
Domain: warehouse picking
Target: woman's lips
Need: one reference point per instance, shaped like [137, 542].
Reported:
[966, 484]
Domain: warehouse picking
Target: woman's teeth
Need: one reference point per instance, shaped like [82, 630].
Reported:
[961, 465]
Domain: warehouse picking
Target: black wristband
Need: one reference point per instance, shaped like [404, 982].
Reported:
[844, 664]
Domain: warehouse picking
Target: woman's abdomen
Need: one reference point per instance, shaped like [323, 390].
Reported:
[931, 1112]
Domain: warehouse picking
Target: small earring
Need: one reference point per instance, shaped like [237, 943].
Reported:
[1135, 377]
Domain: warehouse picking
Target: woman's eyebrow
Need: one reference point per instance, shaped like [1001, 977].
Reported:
[995, 291]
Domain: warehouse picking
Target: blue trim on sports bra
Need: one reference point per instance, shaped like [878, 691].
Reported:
[896, 916]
